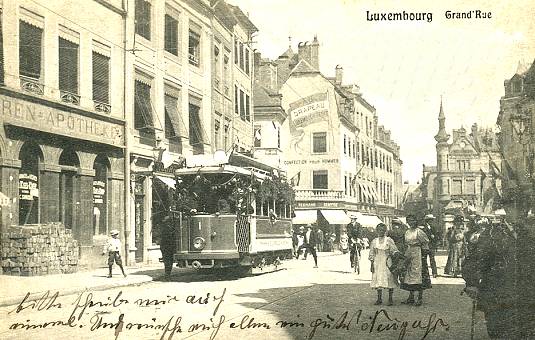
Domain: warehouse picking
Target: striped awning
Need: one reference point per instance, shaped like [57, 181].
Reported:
[305, 217]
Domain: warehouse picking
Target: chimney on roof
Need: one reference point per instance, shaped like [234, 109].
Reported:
[339, 72]
[309, 51]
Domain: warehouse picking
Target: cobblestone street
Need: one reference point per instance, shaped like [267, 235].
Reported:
[297, 302]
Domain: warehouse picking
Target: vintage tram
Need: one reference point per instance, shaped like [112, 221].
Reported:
[232, 216]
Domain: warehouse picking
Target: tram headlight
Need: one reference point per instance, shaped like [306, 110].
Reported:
[199, 243]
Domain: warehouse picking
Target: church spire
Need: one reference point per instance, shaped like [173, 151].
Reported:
[442, 136]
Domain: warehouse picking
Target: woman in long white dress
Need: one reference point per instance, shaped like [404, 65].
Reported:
[381, 248]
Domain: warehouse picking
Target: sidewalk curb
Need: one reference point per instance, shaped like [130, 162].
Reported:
[13, 300]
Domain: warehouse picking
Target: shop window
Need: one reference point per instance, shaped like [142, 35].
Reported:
[101, 78]
[457, 187]
[68, 188]
[30, 156]
[30, 50]
[195, 127]
[194, 48]
[320, 179]
[171, 35]
[143, 106]
[142, 18]
[68, 67]
[100, 195]
[319, 142]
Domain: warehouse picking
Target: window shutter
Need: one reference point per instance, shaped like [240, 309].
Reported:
[30, 38]
[68, 66]
[101, 78]
[247, 108]
[143, 106]
[172, 117]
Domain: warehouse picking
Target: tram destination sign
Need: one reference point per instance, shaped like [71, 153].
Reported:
[48, 119]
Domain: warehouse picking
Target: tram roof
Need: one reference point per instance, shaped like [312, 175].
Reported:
[229, 169]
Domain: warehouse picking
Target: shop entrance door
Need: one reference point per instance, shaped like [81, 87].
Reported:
[140, 226]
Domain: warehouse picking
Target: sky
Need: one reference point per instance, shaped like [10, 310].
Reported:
[404, 67]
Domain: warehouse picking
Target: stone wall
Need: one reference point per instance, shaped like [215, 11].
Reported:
[32, 250]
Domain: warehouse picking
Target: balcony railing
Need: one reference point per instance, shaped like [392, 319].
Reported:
[31, 85]
[319, 194]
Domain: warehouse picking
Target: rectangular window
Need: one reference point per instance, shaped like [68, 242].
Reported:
[349, 147]
[279, 137]
[320, 179]
[142, 18]
[319, 142]
[457, 187]
[172, 117]
[217, 68]
[30, 50]
[247, 108]
[194, 48]
[345, 145]
[171, 35]
[143, 106]
[68, 66]
[242, 105]
[247, 61]
[217, 133]
[195, 128]
[345, 184]
[241, 55]
[236, 53]
[236, 101]
[226, 73]
[226, 134]
[471, 186]
[101, 78]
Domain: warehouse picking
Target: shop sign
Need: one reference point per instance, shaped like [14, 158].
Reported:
[48, 119]
[28, 187]
[318, 205]
[99, 190]
[312, 161]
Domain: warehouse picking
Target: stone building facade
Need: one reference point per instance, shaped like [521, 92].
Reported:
[62, 133]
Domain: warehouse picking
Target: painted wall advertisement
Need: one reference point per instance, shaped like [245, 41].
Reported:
[306, 111]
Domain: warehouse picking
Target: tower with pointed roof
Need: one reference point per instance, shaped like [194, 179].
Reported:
[442, 147]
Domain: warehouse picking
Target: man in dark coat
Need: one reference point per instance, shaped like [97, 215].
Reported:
[432, 236]
[499, 273]
[354, 233]
[168, 244]
[309, 244]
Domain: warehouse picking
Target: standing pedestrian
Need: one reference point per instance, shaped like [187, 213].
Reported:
[319, 239]
[298, 240]
[381, 249]
[432, 236]
[168, 244]
[455, 247]
[113, 248]
[397, 234]
[416, 277]
[308, 244]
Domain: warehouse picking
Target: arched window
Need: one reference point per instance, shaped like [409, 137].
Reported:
[100, 195]
[30, 156]
[68, 184]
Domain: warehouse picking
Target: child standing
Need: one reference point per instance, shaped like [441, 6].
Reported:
[381, 248]
[113, 248]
